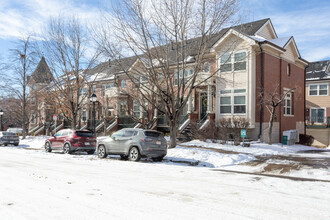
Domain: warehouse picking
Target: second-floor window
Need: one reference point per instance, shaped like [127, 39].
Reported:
[187, 73]
[320, 89]
[288, 104]
[233, 62]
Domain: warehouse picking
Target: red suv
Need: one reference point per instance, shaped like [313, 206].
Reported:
[71, 140]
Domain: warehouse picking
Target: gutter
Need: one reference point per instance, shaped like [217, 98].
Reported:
[261, 117]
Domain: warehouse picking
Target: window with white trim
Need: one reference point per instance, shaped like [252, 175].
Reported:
[123, 83]
[317, 115]
[94, 88]
[233, 101]
[233, 62]
[187, 74]
[136, 108]
[288, 104]
[33, 119]
[318, 89]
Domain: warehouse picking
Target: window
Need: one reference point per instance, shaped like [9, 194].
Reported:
[33, 100]
[320, 89]
[123, 82]
[143, 79]
[225, 104]
[83, 91]
[233, 101]
[84, 115]
[94, 88]
[288, 104]
[288, 70]
[317, 115]
[187, 73]
[206, 67]
[34, 87]
[110, 111]
[130, 133]
[136, 109]
[236, 62]
[33, 119]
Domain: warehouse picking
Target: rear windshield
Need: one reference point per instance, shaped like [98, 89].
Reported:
[8, 134]
[84, 134]
[152, 134]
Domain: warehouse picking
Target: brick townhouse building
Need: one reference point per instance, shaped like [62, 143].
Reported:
[235, 76]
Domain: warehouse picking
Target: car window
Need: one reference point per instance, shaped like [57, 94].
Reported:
[129, 133]
[60, 133]
[152, 134]
[84, 134]
[119, 133]
[9, 134]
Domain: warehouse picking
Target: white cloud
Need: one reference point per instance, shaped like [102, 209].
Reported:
[20, 17]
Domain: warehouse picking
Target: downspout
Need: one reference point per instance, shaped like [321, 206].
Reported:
[261, 116]
[305, 99]
[280, 113]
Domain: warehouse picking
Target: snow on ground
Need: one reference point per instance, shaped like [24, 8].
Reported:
[257, 149]
[207, 158]
[39, 185]
[33, 142]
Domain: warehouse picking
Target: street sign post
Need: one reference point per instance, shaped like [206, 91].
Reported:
[243, 135]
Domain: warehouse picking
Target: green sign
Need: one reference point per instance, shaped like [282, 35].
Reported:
[243, 133]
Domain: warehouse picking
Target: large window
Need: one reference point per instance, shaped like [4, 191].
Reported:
[321, 89]
[233, 101]
[233, 62]
[187, 74]
[136, 108]
[288, 104]
[317, 115]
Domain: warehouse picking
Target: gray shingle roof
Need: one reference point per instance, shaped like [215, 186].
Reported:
[318, 70]
[191, 48]
[42, 73]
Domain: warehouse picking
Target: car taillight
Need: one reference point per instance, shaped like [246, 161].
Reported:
[147, 140]
[75, 139]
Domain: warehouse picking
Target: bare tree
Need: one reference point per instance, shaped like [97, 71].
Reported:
[22, 62]
[157, 33]
[272, 99]
[67, 49]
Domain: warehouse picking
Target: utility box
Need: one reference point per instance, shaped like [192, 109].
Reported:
[292, 136]
[285, 140]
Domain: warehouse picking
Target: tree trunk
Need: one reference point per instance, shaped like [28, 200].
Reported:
[173, 132]
[270, 130]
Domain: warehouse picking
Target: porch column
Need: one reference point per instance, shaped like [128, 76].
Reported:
[117, 108]
[189, 104]
[141, 112]
[209, 99]
[155, 113]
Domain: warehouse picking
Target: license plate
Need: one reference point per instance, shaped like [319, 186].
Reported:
[12, 142]
[158, 142]
[86, 143]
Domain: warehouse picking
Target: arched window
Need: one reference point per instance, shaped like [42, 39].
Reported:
[288, 70]
[123, 84]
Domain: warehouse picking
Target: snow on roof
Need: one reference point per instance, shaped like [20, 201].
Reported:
[101, 77]
[281, 42]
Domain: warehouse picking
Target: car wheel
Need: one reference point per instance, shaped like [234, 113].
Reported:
[47, 147]
[90, 152]
[101, 153]
[5, 144]
[66, 148]
[157, 159]
[123, 157]
[134, 154]
[16, 144]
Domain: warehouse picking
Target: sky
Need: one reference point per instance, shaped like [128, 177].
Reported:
[307, 21]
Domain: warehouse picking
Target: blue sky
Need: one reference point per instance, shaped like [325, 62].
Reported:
[307, 21]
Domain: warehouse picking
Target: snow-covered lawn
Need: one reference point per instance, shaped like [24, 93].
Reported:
[39, 185]
[257, 149]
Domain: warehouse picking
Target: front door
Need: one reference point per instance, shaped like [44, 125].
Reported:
[202, 105]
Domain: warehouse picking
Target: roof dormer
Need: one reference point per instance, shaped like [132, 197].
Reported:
[267, 31]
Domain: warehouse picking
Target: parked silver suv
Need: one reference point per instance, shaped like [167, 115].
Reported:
[134, 143]
[8, 138]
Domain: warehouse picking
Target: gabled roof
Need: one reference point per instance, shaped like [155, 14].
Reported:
[318, 70]
[42, 73]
